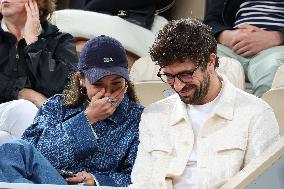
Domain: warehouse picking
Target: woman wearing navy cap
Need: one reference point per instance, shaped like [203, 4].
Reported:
[92, 129]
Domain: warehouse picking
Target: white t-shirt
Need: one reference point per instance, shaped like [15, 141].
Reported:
[198, 115]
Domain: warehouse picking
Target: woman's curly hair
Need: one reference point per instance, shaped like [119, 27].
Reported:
[184, 39]
[46, 8]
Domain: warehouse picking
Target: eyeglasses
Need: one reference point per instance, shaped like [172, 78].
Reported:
[184, 77]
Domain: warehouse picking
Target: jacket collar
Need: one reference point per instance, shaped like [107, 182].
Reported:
[179, 112]
[224, 108]
[47, 29]
[120, 113]
[5, 28]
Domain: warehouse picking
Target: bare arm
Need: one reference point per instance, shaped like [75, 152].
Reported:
[31, 95]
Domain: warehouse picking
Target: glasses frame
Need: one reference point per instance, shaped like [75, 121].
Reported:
[191, 73]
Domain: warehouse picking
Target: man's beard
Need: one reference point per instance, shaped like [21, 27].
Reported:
[200, 91]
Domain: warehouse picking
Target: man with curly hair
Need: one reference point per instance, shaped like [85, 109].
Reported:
[206, 132]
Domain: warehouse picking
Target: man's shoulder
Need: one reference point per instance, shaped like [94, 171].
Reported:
[157, 115]
[240, 99]
[249, 101]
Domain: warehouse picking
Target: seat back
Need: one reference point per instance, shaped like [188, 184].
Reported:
[87, 24]
[152, 91]
[266, 171]
[275, 98]
[279, 78]
[144, 69]
[233, 70]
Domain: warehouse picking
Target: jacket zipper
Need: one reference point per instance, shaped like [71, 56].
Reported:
[17, 60]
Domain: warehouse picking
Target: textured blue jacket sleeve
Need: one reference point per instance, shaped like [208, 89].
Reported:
[60, 140]
[120, 177]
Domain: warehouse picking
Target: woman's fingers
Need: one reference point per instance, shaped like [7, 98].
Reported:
[33, 8]
[74, 180]
[36, 7]
[28, 10]
[98, 95]
[31, 5]
[119, 93]
[83, 178]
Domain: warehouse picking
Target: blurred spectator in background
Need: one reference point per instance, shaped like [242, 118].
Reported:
[35, 60]
[251, 32]
[141, 13]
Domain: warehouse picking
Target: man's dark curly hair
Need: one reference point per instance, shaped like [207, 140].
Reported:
[184, 39]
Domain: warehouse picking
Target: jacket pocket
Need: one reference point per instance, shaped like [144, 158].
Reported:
[230, 156]
[236, 142]
[160, 148]
[159, 144]
[160, 153]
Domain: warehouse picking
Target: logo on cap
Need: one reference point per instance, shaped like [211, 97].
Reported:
[108, 60]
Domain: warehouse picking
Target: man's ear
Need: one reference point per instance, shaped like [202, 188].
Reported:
[212, 62]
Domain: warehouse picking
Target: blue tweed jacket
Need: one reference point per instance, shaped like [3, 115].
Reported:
[106, 149]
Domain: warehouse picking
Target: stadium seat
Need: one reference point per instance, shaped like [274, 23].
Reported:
[84, 25]
[87, 24]
[233, 70]
[266, 171]
[152, 91]
[275, 98]
[279, 78]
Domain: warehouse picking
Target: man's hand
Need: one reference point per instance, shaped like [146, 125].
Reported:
[31, 95]
[249, 40]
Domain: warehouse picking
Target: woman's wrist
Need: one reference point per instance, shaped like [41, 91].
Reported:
[89, 116]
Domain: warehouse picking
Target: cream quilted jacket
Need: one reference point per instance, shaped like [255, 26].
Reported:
[241, 127]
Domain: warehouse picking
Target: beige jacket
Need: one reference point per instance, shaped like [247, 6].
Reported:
[241, 127]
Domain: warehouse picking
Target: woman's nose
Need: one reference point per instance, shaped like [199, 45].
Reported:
[108, 91]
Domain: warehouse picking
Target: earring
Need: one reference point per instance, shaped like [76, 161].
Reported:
[83, 90]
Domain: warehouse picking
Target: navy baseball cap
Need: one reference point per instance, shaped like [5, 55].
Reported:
[103, 56]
